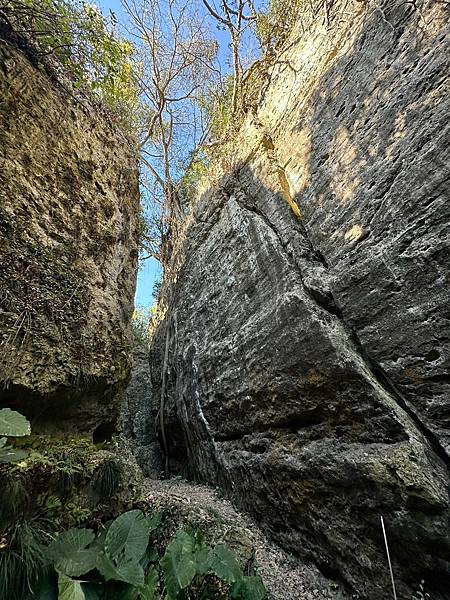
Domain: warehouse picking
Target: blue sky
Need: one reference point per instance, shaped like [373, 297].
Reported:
[150, 270]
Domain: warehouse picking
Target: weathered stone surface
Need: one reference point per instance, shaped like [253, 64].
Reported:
[308, 369]
[138, 416]
[68, 253]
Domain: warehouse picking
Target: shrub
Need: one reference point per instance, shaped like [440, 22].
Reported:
[119, 563]
[275, 24]
[77, 44]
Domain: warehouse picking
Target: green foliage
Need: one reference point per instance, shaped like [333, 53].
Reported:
[69, 589]
[140, 322]
[275, 24]
[188, 559]
[13, 499]
[12, 424]
[107, 478]
[197, 168]
[224, 565]
[74, 36]
[179, 564]
[21, 558]
[48, 480]
[128, 535]
[69, 553]
[118, 563]
[217, 107]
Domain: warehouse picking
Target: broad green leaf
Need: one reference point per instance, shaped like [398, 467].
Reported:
[13, 424]
[106, 566]
[132, 593]
[69, 589]
[128, 534]
[8, 454]
[3, 442]
[148, 592]
[80, 563]
[99, 543]
[127, 570]
[154, 521]
[203, 560]
[70, 541]
[70, 554]
[224, 564]
[249, 588]
[179, 564]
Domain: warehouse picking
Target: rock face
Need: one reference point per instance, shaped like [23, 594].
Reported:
[138, 416]
[69, 204]
[308, 356]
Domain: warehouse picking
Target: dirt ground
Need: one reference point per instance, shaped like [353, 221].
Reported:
[284, 576]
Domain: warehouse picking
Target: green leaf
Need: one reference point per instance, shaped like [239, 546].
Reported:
[154, 521]
[13, 424]
[179, 564]
[131, 593]
[127, 570]
[3, 442]
[203, 560]
[128, 534]
[249, 588]
[69, 589]
[148, 592]
[99, 543]
[69, 552]
[224, 564]
[8, 454]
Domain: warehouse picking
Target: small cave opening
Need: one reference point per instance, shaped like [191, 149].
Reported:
[104, 432]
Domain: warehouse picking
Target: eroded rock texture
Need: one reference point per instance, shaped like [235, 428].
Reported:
[68, 253]
[309, 358]
[139, 416]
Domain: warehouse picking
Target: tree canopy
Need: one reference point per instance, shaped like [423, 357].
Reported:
[174, 71]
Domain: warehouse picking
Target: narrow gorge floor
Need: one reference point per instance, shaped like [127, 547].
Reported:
[284, 576]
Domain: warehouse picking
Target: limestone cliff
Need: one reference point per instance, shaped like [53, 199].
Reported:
[307, 330]
[69, 204]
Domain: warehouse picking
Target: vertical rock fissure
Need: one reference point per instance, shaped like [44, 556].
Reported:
[372, 366]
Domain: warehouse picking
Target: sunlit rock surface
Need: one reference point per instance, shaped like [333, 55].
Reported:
[68, 253]
[308, 368]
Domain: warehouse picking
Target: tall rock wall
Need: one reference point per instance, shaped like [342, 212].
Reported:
[308, 325]
[69, 204]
